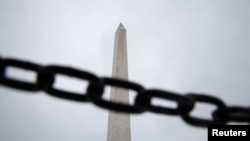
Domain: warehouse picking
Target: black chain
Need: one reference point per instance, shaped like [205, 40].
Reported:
[142, 102]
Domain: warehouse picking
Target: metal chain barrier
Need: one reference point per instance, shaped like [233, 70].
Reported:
[142, 102]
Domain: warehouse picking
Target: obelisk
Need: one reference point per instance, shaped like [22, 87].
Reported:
[119, 123]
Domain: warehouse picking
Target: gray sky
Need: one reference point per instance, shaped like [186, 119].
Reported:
[182, 46]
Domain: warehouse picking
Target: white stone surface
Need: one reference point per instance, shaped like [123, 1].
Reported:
[119, 123]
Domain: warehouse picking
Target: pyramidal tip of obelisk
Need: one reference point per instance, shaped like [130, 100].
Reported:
[121, 26]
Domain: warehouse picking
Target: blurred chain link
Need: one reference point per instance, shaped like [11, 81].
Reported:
[143, 100]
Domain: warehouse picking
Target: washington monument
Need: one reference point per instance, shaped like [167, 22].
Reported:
[119, 123]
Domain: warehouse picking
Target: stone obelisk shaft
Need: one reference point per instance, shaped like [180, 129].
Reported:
[119, 123]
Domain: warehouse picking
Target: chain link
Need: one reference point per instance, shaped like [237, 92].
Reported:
[15, 83]
[46, 78]
[142, 102]
[199, 121]
[113, 105]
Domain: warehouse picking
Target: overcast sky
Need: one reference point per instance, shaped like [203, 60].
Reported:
[182, 46]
